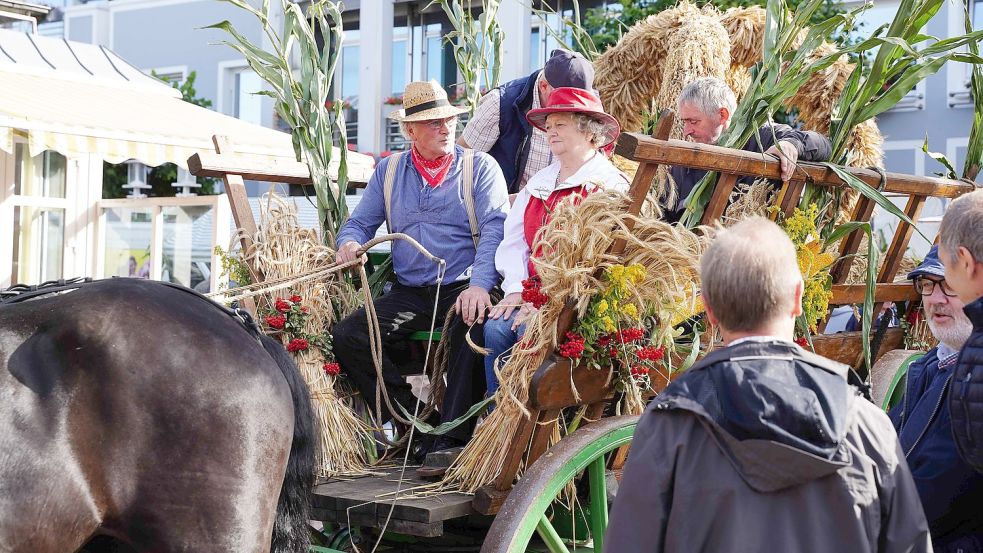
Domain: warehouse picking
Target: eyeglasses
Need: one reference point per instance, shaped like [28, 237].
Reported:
[437, 124]
[926, 287]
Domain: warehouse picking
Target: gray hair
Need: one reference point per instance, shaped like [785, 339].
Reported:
[962, 224]
[749, 274]
[709, 94]
[404, 130]
[596, 131]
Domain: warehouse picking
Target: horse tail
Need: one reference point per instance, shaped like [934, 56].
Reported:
[290, 530]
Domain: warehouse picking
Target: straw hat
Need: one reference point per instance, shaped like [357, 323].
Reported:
[575, 100]
[424, 100]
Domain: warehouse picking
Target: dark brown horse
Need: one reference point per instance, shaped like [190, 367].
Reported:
[136, 416]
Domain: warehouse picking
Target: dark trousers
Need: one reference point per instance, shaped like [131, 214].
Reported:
[401, 312]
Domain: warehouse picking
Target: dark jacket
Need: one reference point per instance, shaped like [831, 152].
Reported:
[966, 398]
[950, 490]
[811, 146]
[514, 132]
[763, 446]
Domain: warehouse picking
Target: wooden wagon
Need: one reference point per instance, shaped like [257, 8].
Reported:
[507, 517]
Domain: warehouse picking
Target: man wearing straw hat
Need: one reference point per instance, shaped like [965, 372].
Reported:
[762, 445]
[705, 108]
[453, 202]
[499, 125]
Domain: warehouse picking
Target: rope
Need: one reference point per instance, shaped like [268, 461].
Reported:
[274, 285]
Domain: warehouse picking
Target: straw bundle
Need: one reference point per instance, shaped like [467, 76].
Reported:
[700, 47]
[749, 200]
[746, 28]
[577, 240]
[820, 93]
[629, 74]
[739, 79]
[283, 249]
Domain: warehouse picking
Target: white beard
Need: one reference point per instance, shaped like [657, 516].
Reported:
[954, 334]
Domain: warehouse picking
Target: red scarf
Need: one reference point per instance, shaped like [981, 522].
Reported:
[433, 172]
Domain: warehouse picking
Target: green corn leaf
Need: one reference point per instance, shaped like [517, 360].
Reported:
[900, 88]
[874, 195]
[950, 170]
[446, 427]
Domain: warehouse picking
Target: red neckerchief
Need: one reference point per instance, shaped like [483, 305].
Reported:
[433, 172]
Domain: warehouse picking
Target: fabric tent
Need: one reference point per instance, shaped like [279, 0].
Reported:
[80, 98]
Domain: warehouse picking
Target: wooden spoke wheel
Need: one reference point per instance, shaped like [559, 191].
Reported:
[581, 458]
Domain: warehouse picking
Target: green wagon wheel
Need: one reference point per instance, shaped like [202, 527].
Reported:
[524, 512]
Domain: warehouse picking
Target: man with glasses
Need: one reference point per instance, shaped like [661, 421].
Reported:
[453, 202]
[950, 490]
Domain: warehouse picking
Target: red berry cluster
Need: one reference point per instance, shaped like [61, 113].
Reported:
[629, 335]
[573, 347]
[276, 321]
[649, 353]
[532, 293]
[282, 305]
[297, 344]
[802, 342]
[639, 371]
[332, 369]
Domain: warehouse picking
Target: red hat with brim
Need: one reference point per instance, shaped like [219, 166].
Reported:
[575, 100]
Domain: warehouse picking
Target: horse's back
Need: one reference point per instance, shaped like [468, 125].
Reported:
[125, 402]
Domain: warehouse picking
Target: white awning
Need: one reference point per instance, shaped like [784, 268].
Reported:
[81, 98]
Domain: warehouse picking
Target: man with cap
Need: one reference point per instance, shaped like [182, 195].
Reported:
[950, 490]
[499, 125]
[427, 192]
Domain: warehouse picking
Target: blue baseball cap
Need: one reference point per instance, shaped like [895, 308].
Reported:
[931, 266]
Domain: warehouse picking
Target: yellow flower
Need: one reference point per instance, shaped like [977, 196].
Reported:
[636, 273]
[608, 323]
[629, 310]
[602, 307]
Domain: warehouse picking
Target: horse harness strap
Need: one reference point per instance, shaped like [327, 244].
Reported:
[467, 191]
[24, 292]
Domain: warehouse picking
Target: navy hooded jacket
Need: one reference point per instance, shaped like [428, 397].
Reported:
[950, 490]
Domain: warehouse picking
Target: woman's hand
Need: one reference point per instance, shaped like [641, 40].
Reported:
[512, 306]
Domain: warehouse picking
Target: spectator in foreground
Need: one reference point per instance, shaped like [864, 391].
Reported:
[950, 490]
[763, 446]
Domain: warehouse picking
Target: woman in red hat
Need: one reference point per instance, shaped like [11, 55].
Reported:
[577, 129]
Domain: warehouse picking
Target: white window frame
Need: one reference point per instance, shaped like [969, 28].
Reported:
[225, 98]
[958, 94]
[915, 99]
[169, 70]
[221, 230]
[10, 201]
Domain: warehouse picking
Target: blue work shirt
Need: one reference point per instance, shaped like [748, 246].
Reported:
[950, 490]
[437, 219]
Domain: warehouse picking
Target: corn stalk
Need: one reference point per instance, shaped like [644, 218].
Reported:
[299, 97]
[581, 38]
[474, 42]
[974, 148]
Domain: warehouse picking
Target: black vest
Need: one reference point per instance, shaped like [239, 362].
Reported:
[514, 133]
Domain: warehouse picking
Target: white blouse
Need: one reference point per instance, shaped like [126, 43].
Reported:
[512, 256]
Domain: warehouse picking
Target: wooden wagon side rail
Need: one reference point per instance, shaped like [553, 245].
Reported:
[643, 148]
[218, 165]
